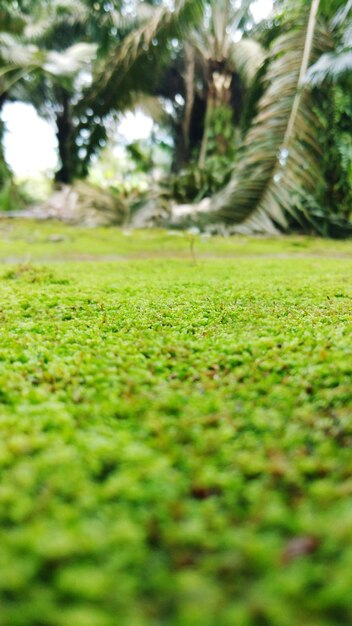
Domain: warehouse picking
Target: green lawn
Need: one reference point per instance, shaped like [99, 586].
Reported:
[176, 437]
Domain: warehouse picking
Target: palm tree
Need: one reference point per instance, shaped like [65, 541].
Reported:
[278, 162]
[131, 48]
[221, 57]
[206, 82]
[133, 66]
[25, 65]
[19, 52]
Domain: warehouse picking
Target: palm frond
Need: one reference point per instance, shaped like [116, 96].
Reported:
[71, 60]
[215, 38]
[333, 65]
[19, 55]
[246, 57]
[17, 60]
[341, 16]
[14, 52]
[111, 81]
[67, 12]
[330, 66]
[347, 37]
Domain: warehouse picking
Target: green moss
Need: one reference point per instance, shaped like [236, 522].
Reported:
[175, 441]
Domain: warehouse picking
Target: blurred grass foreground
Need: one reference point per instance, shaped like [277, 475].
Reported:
[175, 429]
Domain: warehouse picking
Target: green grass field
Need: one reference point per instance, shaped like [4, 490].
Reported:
[176, 437]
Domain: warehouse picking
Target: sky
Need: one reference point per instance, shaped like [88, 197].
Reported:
[30, 142]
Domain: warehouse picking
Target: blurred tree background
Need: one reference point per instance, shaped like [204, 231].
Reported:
[251, 119]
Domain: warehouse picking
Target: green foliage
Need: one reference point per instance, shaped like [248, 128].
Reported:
[140, 155]
[334, 65]
[194, 182]
[176, 438]
[335, 111]
[221, 133]
[10, 196]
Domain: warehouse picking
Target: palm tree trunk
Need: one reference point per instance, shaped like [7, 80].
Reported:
[189, 85]
[219, 95]
[205, 138]
[64, 135]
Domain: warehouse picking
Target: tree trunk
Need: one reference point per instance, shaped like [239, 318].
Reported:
[65, 137]
[189, 88]
[219, 94]
[204, 144]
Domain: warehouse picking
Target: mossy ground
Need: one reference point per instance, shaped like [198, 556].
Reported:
[175, 437]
